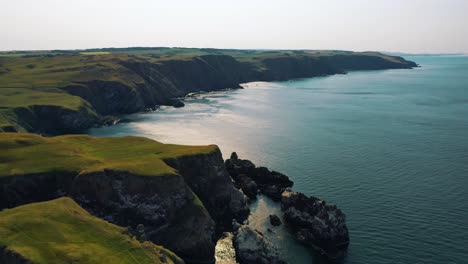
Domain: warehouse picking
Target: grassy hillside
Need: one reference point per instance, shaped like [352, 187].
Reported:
[60, 231]
[29, 153]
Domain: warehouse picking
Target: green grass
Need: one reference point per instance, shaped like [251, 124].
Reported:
[62, 70]
[95, 53]
[24, 153]
[13, 98]
[24, 97]
[60, 231]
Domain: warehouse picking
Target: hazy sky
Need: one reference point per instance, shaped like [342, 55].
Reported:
[383, 25]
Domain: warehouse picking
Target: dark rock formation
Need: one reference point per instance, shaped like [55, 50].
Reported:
[55, 119]
[275, 220]
[316, 224]
[270, 183]
[252, 247]
[176, 103]
[248, 186]
[9, 257]
[209, 180]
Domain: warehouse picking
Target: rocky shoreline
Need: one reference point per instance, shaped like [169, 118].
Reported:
[184, 200]
[314, 223]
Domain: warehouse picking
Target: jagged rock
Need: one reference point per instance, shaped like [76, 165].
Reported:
[235, 225]
[270, 183]
[252, 247]
[175, 103]
[316, 224]
[208, 178]
[234, 156]
[275, 220]
[248, 186]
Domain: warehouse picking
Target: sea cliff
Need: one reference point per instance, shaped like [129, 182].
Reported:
[70, 93]
[181, 195]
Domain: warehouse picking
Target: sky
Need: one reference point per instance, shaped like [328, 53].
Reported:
[411, 26]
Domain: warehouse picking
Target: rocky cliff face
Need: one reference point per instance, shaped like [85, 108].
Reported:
[167, 208]
[180, 212]
[207, 177]
[365, 62]
[109, 97]
[54, 119]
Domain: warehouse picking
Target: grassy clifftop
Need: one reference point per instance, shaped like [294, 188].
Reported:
[126, 180]
[31, 154]
[76, 88]
[60, 231]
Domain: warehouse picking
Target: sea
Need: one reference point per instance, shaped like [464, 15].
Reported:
[388, 147]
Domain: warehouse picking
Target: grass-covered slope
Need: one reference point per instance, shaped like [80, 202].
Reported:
[76, 88]
[24, 153]
[60, 231]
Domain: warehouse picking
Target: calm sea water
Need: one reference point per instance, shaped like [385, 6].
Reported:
[390, 148]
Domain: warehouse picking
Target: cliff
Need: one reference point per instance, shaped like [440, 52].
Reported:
[60, 231]
[128, 181]
[70, 93]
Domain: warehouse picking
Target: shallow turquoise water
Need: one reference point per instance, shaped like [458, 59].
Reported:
[390, 148]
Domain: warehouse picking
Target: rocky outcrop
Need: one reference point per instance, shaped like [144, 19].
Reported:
[316, 224]
[275, 220]
[10, 257]
[208, 178]
[252, 247]
[249, 177]
[52, 119]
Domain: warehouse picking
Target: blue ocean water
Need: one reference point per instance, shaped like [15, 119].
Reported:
[390, 148]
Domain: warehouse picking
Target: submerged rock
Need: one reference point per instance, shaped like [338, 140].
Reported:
[252, 247]
[270, 183]
[175, 103]
[316, 224]
[275, 220]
